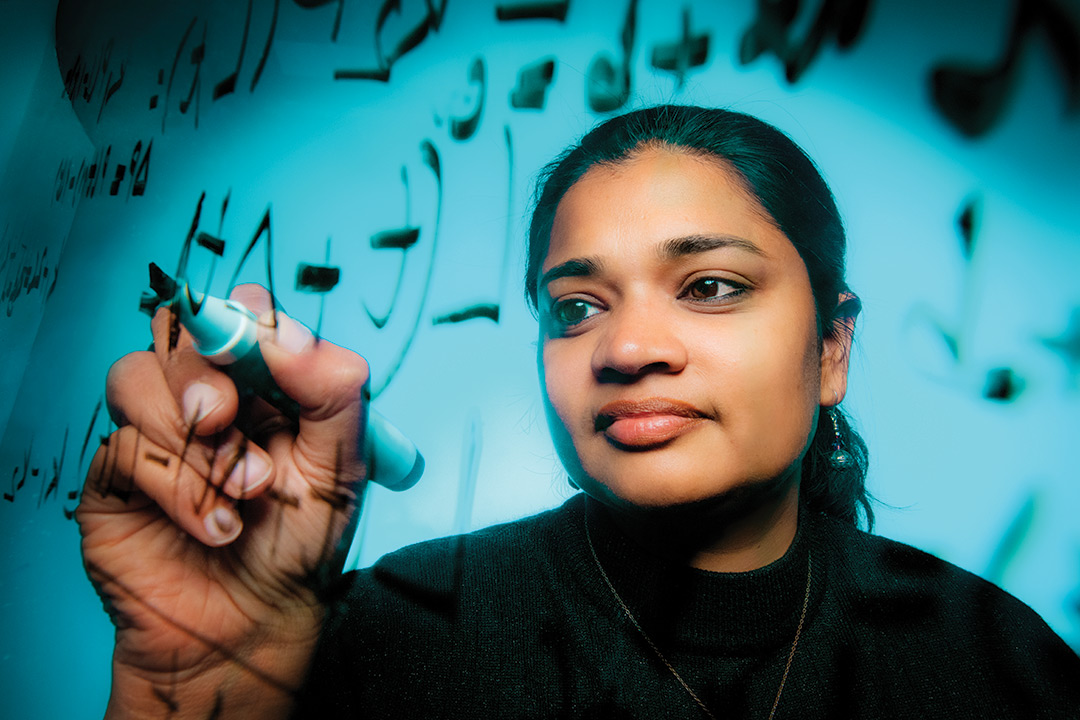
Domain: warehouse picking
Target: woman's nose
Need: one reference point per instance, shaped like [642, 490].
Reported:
[637, 341]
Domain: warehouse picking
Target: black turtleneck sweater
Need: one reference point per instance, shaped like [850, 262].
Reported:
[516, 621]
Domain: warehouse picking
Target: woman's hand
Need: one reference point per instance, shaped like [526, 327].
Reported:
[209, 547]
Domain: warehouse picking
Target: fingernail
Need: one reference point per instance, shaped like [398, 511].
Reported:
[222, 525]
[288, 334]
[200, 400]
[249, 474]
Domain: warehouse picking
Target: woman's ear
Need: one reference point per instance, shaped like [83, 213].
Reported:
[836, 350]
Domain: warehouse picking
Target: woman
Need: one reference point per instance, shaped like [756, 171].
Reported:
[686, 266]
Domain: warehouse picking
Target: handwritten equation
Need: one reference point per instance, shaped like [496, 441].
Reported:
[93, 177]
[185, 83]
[25, 271]
[972, 99]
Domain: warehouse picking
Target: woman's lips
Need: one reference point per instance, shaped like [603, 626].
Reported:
[644, 424]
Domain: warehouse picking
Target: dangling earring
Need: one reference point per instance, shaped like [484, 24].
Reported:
[840, 458]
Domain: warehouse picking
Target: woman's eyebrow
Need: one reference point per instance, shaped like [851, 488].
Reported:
[576, 267]
[693, 244]
[671, 249]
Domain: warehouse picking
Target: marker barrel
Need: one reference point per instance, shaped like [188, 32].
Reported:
[224, 331]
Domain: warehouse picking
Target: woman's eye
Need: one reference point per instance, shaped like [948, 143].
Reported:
[568, 313]
[712, 289]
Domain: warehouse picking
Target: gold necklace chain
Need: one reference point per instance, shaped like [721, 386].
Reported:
[668, 665]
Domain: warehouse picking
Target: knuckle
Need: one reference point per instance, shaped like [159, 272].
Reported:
[186, 366]
[180, 430]
[127, 369]
[123, 381]
[353, 378]
[177, 360]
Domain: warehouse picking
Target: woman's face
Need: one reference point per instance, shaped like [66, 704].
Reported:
[679, 350]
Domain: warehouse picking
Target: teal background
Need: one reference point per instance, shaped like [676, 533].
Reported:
[990, 484]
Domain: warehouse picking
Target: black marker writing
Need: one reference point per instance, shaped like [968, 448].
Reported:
[490, 310]
[536, 10]
[689, 51]
[316, 278]
[607, 87]
[403, 238]
[15, 488]
[111, 89]
[161, 460]
[84, 182]
[397, 239]
[533, 81]
[311, 4]
[1067, 345]
[139, 170]
[155, 97]
[172, 72]
[264, 228]
[211, 243]
[431, 22]
[1000, 384]
[168, 696]
[181, 270]
[25, 272]
[198, 55]
[463, 128]
[472, 444]
[219, 705]
[480, 310]
[430, 157]
[227, 85]
[1008, 547]
[508, 238]
[89, 433]
[973, 98]
[53, 487]
[319, 279]
[266, 48]
[769, 32]
[84, 79]
[100, 577]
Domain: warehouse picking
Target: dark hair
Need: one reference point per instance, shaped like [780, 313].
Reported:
[791, 190]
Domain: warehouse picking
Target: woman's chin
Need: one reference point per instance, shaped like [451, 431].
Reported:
[676, 495]
[657, 493]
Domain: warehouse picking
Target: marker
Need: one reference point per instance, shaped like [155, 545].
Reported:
[224, 331]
